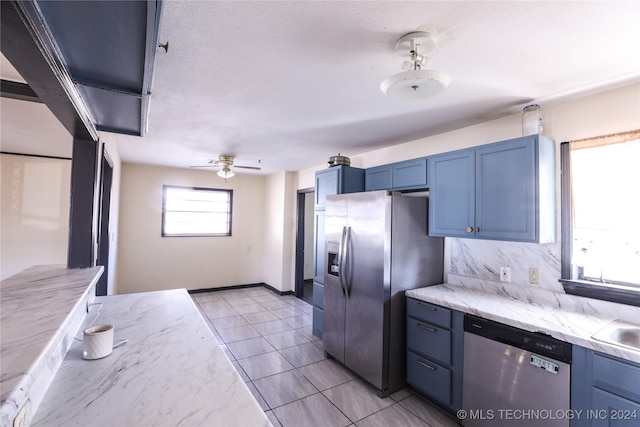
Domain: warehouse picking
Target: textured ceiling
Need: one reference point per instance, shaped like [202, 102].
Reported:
[292, 83]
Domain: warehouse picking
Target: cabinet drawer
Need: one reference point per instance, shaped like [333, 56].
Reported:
[318, 295]
[429, 312]
[429, 340]
[429, 377]
[616, 376]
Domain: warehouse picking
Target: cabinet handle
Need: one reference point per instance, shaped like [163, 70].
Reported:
[428, 307]
[421, 326]
[469, 229]
[426, 365]
[476, 229]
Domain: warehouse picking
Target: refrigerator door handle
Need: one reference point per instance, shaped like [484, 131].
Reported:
[341, 251]
[347, 261]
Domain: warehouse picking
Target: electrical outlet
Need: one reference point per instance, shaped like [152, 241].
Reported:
[534, 275]
[505, 274]
[22, 419]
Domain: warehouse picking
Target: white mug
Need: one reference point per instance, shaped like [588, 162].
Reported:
[98, 342]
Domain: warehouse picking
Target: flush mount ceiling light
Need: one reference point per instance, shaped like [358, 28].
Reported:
[414, 82]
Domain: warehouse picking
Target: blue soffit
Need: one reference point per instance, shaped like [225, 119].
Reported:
[108, 48]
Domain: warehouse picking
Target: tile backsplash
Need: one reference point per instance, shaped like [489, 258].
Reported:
[476, 264]
[482, 259]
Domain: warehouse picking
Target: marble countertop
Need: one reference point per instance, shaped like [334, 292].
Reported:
[42, 307]
[566, 325]
[171, 371]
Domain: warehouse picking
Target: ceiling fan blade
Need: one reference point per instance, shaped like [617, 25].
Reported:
[247, 167]
[207, 166]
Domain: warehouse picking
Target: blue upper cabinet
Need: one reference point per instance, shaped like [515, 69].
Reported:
[410, 174]
[500, 191]
[337, 180]
[451, 193]
[378, 178]
[406, 175]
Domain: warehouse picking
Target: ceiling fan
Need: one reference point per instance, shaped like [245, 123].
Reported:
[225, 163]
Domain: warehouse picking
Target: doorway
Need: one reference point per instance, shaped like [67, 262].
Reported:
[304, 245]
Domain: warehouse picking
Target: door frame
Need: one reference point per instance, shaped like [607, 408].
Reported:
[104, 206]
[300, 238]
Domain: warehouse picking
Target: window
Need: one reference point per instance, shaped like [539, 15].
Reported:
[188, 211]
[600, 214]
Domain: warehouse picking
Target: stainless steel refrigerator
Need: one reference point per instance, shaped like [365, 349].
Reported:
[377, 247]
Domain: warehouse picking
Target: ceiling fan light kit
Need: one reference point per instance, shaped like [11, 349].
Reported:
[225, 163]
[226, 172]
[415, 83]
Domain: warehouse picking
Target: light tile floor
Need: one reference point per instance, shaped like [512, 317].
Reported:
[269, 341]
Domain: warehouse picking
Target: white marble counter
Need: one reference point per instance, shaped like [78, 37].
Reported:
[42, 308]
[171, 371]
[554, 316]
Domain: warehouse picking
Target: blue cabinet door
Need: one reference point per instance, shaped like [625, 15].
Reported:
[378, 178]
[452, 193]
[327, 183]
[506, 200]
[410, 174]
[318, 263]
[610, 410]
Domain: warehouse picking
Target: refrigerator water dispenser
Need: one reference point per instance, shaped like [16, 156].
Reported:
[334, 266]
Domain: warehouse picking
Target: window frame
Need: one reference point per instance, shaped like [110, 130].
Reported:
[163, 233]
[612, 292]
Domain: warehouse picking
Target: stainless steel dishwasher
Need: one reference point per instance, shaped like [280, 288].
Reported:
[513, 377]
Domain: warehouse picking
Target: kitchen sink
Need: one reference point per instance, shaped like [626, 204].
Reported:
[621, 334]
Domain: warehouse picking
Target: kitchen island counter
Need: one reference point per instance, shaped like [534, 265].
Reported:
[42, 308]
[171, 371]
[565, 317]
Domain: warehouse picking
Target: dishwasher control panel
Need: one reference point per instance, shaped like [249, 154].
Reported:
[535, 342]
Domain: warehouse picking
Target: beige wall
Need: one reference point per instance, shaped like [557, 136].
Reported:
[34, 221]
[114, 211]
[279, 232]
[147, 261]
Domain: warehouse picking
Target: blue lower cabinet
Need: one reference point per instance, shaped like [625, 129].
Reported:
[318, 295]
[318, 319]
[318, 309]
[435, 337]
[605, 390]
[612, 410]
[429, 377]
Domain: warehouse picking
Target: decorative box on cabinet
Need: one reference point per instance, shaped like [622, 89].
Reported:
[405, 175]
[606, 389]
[500, 191]
[434, 353]
[334, 180]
